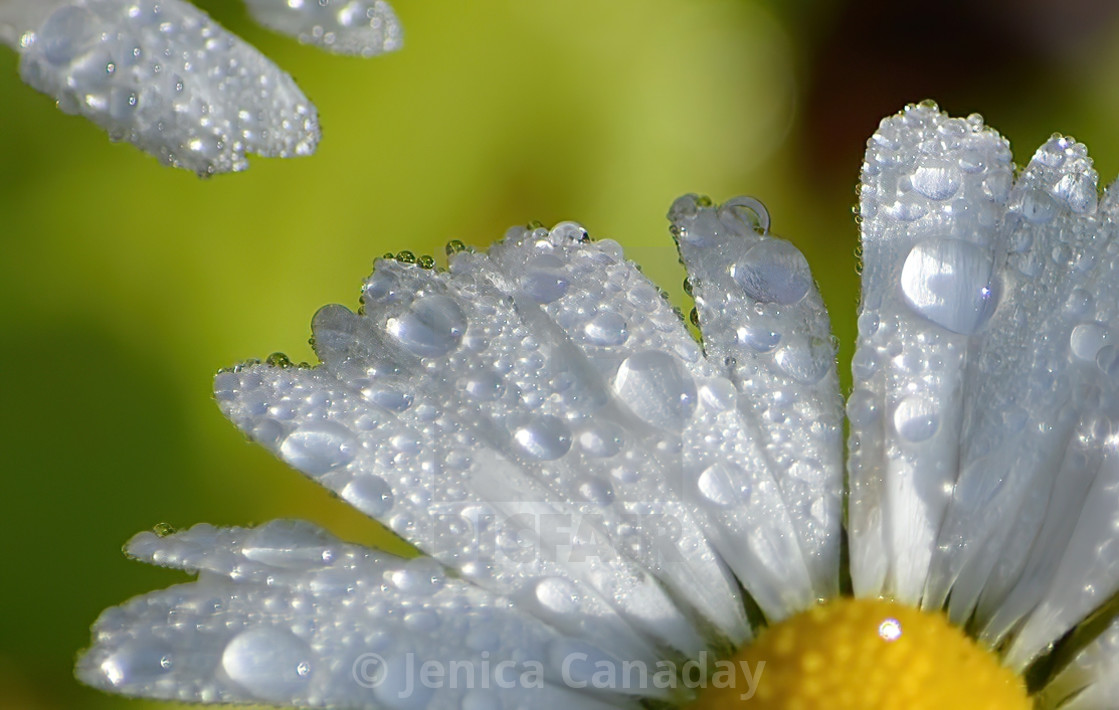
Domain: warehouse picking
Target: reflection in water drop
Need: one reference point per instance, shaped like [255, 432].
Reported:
[656, 388]
[432, 326]
[948, 281]
[773, 271]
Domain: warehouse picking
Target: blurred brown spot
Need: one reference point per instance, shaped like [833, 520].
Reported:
[871, 57]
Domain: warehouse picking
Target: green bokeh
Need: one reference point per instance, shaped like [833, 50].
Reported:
[126, 285]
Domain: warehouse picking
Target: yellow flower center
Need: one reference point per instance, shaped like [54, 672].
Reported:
[863, 654]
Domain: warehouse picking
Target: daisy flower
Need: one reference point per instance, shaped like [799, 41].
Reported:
[614, 514]
[163, 76]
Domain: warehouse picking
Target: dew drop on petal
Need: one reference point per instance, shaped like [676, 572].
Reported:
[948, 281]
[543, 437]
[656, 388]
[138, 662]
[936, 180]
[370, 494]
[716, 484]
[1087, 339]
[773, 271]
[557, 595]
[601, 441]
[606, 328]
[319, 447]
[431, 327]
[544, 286]
[916, 418]
[269, 662]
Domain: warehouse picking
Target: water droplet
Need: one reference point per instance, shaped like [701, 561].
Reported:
[773, 271]
[557, 595]
[138, 663]
[1108, 360]
[319, 447]
[388, 397]
[1038, 206]
[1087, 339]
[370, 494]
[433, 326]
[606, 328]
[864, 364]
[655, 386]
[543, 437]
[936, 180]
[1078, 190]
[862, 408]
[758, 338]
[717, 484]
[719, 394]
[949, 282]
[916, 418]
[68, 33]
[596, 491]
[602, 441]
[266, 661]
[288, 545]
[484, 386]
[806, 360]
[890, 630]
[420, 577]
[545, 285]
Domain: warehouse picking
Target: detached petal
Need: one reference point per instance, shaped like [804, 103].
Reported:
[286, 614]
[166, 78]
[360, 27]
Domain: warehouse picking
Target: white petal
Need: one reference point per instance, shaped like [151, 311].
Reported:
[449, 397]
[932, 189]
[166, 78]
[765, 328]
[624, 464]
[287, 614]
[361, 27]
[1034, 432]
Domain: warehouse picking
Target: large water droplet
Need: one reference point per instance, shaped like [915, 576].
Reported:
[545, 286]
[1087, 339]
[433, 326]
[949, 282]
[138, 663]
[936, 180]
[420, 577]
[370, 494]
[68, 33]
[806, 360]
[319, 447]
[595, 491]
[288, 544]
[543, 437]
[717, 484]
[606, 328]
[270, 663]
[602, 440]
[773, 271]
[484, 386]
[916, 418]
[557, 595]
[655, 386]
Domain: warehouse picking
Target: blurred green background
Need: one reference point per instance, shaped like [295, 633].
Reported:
[126, 285]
